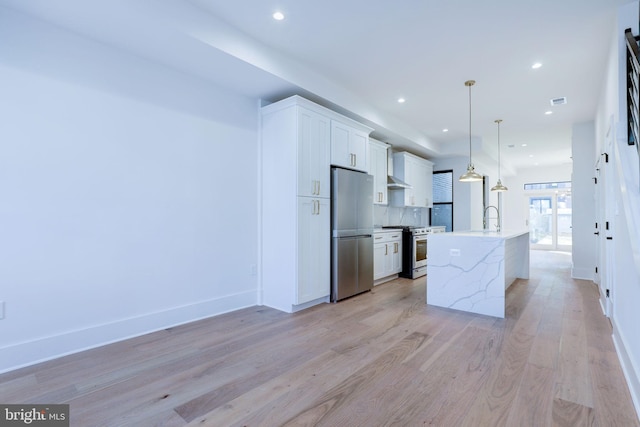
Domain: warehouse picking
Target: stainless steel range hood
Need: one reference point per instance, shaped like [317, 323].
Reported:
[394, 183]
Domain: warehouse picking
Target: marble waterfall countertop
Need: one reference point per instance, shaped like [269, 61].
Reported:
[471, 270]
[504, 234]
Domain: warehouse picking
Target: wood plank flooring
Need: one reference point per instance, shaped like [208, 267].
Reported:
[383, 358]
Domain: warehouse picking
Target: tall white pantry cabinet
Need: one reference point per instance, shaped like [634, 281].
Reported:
[296, 140]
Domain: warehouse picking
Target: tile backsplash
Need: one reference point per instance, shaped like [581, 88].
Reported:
[390, 215]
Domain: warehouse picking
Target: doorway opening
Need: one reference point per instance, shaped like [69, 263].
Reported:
[550, 210]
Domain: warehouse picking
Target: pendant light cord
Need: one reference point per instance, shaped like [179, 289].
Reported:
[499, 172]
[470, 123]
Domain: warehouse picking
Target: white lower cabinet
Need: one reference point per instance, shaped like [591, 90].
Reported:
[313, 249]
[387, 255]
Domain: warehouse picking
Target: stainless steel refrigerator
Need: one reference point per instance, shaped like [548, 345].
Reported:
[351, 233]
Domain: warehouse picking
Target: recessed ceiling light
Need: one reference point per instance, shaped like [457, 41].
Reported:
[278, 16]
[536, 65]
[548, 112]
[401, 100]
[530, 155]
[524, 145]
[445, 130]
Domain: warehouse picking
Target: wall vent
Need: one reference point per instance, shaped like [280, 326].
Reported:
[559, 101]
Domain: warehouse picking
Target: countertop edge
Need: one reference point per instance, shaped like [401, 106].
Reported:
[506, 234]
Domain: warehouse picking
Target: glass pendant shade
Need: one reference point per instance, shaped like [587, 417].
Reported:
[470, 175]
[499, 187]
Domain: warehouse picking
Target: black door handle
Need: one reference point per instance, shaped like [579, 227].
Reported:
[609, 238]
[597, 233]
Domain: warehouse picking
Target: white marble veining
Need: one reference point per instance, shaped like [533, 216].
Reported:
[471, 271]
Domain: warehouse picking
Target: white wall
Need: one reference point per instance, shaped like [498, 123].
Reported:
[622, 254]
[129, 194]
[515, 201]
[461, 191]
[582, 195]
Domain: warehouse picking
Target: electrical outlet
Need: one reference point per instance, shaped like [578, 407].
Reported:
[454, 252]
[253, 270]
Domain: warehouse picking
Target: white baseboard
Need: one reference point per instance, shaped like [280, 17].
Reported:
[582, 273]
[31, 352]
[630, 373]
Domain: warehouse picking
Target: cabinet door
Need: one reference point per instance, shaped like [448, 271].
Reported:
[314, 132]
[410, 174]
[429, 185]
[388, 259]
[378, 168]
[359, 147]
[340, 154]
[420, 186]
[379, 257]
[313, 249]
[349, 146]
[397, 257]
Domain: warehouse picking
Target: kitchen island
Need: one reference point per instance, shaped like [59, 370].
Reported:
[472, 270]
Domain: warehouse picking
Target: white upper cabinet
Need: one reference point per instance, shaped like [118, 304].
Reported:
[349, 145]
[313, 154]
[378, 168]
[418, 173]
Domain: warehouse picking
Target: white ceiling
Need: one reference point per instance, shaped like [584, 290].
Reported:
[360, 56]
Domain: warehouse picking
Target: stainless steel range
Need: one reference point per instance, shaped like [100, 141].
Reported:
[414, 246]
[414, 249]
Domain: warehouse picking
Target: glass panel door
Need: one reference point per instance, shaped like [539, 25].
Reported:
[563, 213]
[541, 222]
[550, 221]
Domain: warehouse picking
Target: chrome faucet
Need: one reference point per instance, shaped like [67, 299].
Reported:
[484, 218]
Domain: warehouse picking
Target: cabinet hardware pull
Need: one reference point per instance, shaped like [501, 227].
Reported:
[318, 188]
[386, 247]
[378, 237]
[318, 202]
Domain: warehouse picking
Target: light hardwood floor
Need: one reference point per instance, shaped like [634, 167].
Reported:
[379, 359]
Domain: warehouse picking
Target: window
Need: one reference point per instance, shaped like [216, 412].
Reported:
[442, 211]
[548, 186]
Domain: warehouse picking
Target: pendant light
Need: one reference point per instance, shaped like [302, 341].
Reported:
[470, 175]
[499, 186]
